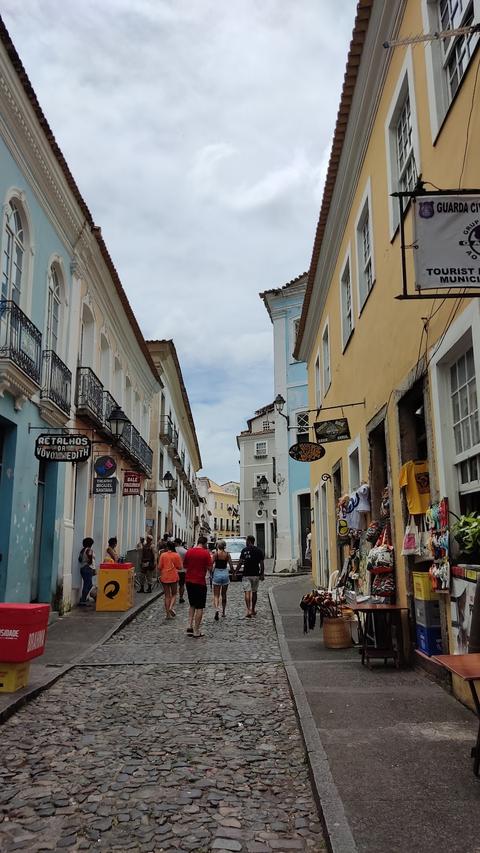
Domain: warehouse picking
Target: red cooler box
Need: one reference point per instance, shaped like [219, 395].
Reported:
[110, 566]
[23, 631]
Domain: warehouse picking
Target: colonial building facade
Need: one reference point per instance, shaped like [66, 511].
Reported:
[258, 509]
[284, 306]
[407, 370]
[221, 506]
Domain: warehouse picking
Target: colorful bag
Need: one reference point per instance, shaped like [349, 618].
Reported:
[425, 544]
[374, 531]
[380, 557]
[383, 585]
[411, 539]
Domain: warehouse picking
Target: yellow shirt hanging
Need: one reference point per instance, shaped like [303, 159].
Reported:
[414, 477]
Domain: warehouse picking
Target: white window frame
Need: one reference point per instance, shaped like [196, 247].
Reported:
[326, 363]
[293, 324]
[405, 86]
[294, 420]
[347, 264]
[354, 447]
[439, 97]
[19, 198]
[56, 267]
[365, 209]
[258, 455]
[318, 380]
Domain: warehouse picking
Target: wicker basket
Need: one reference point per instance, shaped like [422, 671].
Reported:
[337, 633]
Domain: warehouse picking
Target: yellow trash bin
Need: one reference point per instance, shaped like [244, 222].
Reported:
[14, 676]
[115, 590]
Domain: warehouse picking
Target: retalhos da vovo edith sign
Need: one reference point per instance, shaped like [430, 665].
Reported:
[63, 448]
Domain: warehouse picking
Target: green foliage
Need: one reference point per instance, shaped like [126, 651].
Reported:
[467, 533]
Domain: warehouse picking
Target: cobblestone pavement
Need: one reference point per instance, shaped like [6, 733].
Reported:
[163, 742]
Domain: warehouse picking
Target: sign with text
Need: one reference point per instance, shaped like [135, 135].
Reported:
[103, 486]
[132, 483]
[306, 451]
[335, 430]
[447, 241]
[105, 466]
[62, 448]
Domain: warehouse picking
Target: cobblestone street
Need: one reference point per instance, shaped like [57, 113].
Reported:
[163, 742]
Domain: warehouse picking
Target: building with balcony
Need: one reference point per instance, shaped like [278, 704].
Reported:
[70, 349]
[172, 508]
[221, 507]
[258, 489]
[284, 306]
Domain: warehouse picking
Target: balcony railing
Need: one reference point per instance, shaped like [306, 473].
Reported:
[166, 430]
[89, 395]
[20, 340]
[109, 403]
[146, 457]
[57, 381]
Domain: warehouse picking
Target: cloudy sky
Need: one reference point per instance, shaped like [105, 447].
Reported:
[198, 132]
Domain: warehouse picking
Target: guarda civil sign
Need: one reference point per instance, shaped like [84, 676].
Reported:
[63, 448]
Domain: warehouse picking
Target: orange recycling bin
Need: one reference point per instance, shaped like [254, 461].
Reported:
[115, 590]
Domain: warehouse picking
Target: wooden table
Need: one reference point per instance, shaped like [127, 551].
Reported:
[468, 668]
[390, 616]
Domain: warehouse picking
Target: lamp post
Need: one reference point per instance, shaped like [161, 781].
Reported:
[116, 422]
[279, 404]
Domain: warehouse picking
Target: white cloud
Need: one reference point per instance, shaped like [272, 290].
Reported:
[199, 134]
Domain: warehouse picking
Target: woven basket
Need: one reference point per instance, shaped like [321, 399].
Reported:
[337, 633]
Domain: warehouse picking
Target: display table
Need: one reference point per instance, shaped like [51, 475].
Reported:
[384, 621]
[468, 668]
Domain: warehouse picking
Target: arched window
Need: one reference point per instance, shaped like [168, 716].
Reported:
[53, 310]
[13, 254]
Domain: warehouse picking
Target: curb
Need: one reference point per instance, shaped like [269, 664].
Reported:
[33, 692]
[339, 836]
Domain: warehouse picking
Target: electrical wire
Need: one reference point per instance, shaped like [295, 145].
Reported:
[468, 124]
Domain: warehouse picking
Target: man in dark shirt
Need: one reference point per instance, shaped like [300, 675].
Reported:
[251, 559]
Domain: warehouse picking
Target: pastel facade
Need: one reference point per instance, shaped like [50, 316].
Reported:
[175, 450]
[221, 506]
[258, 511]
[404, 112]
[284, 305]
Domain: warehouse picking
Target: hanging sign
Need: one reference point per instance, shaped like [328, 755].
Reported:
[447, 241]
[105, 466]
[336, 430]
[103, 486]
[132, 482]
[62, 448]
[306, 451]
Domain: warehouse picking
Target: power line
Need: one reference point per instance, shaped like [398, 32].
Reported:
[468, 124]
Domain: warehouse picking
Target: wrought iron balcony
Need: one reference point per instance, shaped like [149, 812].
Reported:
[57, 381]
[20, 340]
[109, 403]
[146, 457]
[89, 395]
[125, 441]
[166, 430]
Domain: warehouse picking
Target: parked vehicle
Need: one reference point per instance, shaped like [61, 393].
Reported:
[235, 548]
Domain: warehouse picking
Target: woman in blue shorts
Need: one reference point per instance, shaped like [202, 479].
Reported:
[222, 562]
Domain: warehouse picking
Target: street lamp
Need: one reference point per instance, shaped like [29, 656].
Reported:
[263, 485]
[279, 403]
[116, 422]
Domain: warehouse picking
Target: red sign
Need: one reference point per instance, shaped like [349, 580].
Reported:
[132, 483]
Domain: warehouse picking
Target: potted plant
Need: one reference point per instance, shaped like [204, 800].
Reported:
[466, 531]
[336, 629]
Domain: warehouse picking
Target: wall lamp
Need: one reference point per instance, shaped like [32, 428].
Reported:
[170, 484]
[116, 422]
[279, 403]
[263, 485]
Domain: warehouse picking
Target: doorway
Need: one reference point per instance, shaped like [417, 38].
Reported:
[378, 474]
[305, 524]
[37, 542]
[260, 536]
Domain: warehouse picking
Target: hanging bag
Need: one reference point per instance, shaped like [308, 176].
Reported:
[425, 543]
[411, 539]
[380, 557]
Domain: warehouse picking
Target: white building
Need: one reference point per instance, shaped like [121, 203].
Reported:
[258, 490]
[172, 504]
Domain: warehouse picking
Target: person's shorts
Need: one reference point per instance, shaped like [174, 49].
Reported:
[250, 584]
[221, 577]
[197, 595]
[181, 577]
[170, 587]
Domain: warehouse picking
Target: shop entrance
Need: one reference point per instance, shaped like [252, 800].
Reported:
[378, 474]
[8, 434]
[260, 536]
[305, 522]
[412, 424]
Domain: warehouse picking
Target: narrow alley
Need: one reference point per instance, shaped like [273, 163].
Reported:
[160, 741]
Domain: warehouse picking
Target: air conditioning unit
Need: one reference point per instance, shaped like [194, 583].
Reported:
[274, 512]
[259, 513]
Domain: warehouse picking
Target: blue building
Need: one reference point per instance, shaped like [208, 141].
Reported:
[292, 478]
[35, 382]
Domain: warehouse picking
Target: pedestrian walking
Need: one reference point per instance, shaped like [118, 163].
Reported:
[222, 562]
[251, 559]
[169, 564]
[198, 564]
[86, 558]
[181, 551]
[147, 565]
[111, 553]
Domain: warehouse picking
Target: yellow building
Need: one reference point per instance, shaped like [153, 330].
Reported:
[411, 367]
[222, 507]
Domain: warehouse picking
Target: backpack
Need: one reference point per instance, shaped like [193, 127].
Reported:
[80, 556]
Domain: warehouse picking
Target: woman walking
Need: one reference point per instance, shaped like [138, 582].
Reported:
[169, 562]
[222, 562]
